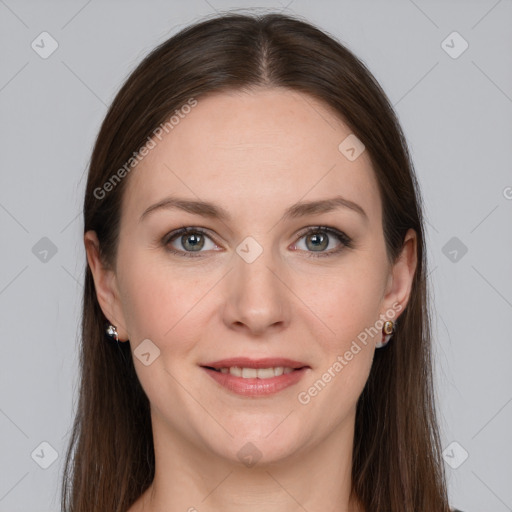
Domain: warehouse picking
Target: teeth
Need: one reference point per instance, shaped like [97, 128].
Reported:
[252, 373]
[260, 373]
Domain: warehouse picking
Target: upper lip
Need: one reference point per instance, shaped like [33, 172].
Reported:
[246, 362]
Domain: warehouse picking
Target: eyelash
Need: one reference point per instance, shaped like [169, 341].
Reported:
[346, 241]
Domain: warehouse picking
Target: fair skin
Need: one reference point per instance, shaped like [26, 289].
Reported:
[253, 154]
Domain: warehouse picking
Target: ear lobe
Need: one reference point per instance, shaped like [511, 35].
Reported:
[105, 284]
[400, 280]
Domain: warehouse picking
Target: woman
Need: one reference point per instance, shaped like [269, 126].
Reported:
[255, 329]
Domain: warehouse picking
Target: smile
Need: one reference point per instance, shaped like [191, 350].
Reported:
[256, 382]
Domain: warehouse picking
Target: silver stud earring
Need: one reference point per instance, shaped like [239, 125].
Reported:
[111, 332]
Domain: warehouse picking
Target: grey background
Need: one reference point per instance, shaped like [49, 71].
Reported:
[456, 113]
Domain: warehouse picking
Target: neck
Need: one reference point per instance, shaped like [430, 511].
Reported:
[194, 480]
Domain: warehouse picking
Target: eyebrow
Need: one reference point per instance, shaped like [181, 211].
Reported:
[297, 210]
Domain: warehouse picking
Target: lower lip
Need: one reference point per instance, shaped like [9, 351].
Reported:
[256, 387]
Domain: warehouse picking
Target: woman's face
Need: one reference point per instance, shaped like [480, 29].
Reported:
[255, 283]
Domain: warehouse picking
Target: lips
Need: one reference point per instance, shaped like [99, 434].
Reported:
[245, 362]
[238, 374]
[256, 387]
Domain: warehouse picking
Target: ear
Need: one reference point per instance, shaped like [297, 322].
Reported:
[401, 276]
[106, 285]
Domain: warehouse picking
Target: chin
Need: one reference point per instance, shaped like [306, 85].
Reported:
[260, 444]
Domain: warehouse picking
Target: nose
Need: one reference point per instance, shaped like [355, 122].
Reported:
[257, 299]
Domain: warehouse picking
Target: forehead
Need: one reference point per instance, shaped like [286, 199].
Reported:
[243, 148]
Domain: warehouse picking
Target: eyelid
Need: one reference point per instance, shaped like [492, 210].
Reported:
[176, 233]
[326, 229]
[345, 240]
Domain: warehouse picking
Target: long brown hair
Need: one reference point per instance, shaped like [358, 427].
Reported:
[397, 464]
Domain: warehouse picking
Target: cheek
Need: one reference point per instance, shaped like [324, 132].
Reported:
[350, 309]
[157, 302]
[347, 303]
[164, 307]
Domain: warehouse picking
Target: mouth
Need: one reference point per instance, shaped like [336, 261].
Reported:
[254, 378]
[255, 373]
